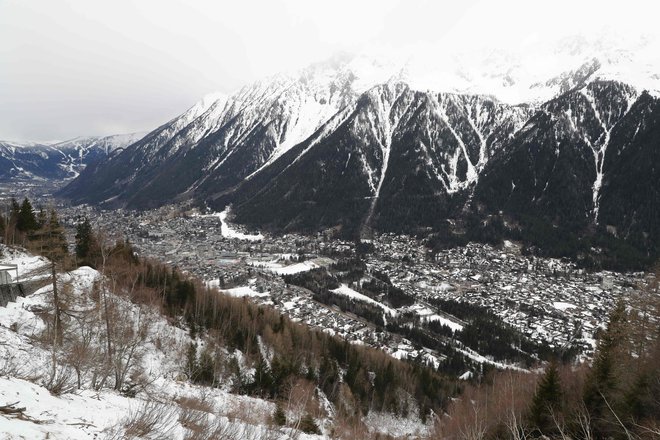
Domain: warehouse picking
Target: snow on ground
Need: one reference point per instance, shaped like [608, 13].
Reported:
[560, 305]
[402, 351]
[228, 232]
[466, 376]
[426, 314]
[72, 416]
[484, 360]
[244, 291]
[91, 414]
[295, 268]
[347, 291]
[410, 427]
[444, 321]
[26, 364]
[279, 266]
[29, 266]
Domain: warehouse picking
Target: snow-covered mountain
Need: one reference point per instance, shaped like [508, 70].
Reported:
[395, 145]
[224, 139]
[536, 72]
[57, 160]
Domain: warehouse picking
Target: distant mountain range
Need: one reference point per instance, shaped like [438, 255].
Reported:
[362, 144]
[57, 160]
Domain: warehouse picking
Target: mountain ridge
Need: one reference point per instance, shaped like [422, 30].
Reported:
[350, 143]
[58, 160]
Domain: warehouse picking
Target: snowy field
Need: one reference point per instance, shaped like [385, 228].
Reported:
[227, 231]
[347, 291]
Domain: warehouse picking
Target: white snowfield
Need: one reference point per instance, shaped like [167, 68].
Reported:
[244, 291]
[427, 314]
[279, 266]
[228, 232]
[29, 266]
[347, 291]
[295, 268]
[560, 305]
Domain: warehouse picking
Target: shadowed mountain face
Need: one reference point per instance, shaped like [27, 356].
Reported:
[396, 157]
[335, 147]
[554, 167]
[57, 161]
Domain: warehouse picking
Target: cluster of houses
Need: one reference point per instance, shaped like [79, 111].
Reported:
[546, 299]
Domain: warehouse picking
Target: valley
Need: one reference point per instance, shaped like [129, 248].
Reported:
[386, 243]
[549, 302]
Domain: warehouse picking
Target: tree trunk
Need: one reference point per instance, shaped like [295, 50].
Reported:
[56, 301]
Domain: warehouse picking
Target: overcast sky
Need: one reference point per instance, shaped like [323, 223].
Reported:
[92, 67]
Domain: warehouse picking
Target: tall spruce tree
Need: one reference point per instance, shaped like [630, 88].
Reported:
[27, 220]
[87, 248]
[547, 402]
[601, 389]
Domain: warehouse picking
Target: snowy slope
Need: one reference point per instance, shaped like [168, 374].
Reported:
[538, 71]
[224, 139]
[26, 366]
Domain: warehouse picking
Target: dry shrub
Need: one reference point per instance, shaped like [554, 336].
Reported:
[226, 430]
[192, 419]
[149, 420]
[246, 412]
[202, 403]
[12, 366]
[194, 416]
[301, 400]
[349, 427]
[488, 408]
[60, 381]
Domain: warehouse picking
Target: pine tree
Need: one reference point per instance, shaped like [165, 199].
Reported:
[9, 235]
[206, 368]
[26, 219]
[279, 417]
[547, 401]
[600, 391]
[308, 425]
[54, 241]
[86, 244]
[41, 218]
[262, 377]
[191, 362]
[14, 212]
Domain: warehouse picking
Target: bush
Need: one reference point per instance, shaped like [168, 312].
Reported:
[308, 425]
[279, 418]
